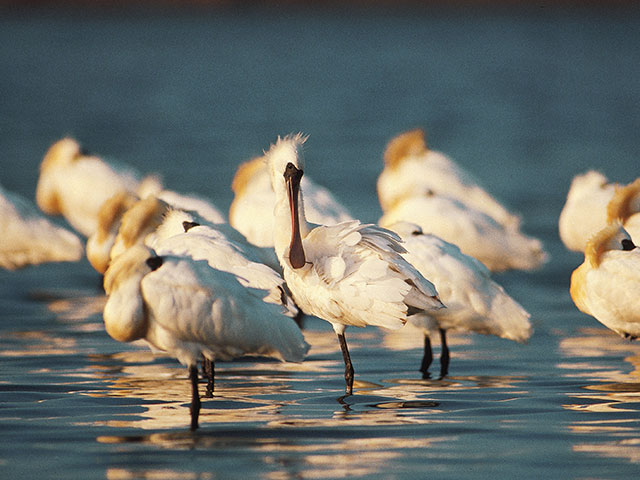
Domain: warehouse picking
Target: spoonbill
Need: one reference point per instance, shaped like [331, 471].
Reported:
[425, 187]
[346, 274]
[187, 309]
[474, 232]
[585, 211]
[475, 303]
[412, 169]
[251, 211]
[605, 286]
[29, 238]
[76, 184]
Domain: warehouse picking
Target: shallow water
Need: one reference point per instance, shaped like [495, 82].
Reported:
[524, 98]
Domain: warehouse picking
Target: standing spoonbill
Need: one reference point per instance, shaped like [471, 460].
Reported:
[29, 238]
[607, 283]
[475, 303]
[346, 274]
[585, 211]
[251, 211]
[189, 310]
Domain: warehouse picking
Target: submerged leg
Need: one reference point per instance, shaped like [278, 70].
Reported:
[195, 397]
[427, 358]
[348, 367]
[209, 369]
[444, 354]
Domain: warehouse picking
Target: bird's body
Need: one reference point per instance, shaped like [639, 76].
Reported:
[346, 274]
[251, 211]
[75, 185]
[29, 238]
[180, 235]
[412, 169]
[585, 211]
[425, 187]
[475, 303]
[187, 309]
[125, 220]
[474, 232]
[607, 283]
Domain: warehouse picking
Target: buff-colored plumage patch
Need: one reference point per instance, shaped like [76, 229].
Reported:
[620, 206]
[142, 218]
[597, 245]
[404, 145]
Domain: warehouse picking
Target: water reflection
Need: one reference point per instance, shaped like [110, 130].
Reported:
[611, 395]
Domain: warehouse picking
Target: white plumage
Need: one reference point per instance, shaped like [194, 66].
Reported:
[585, 211]
[187, 309]
[251, 211]
[29, 238]
[75, 185]
[425, 187]
[346, 274]
[475, 303]
[607, 283]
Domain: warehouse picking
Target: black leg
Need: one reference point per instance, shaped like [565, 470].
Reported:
[444, 354]
[209, 369]
[195, 397]
[348, 368]
[427, 358]
[299, 319]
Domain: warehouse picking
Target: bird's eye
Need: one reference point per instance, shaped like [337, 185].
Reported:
[189, 225]
[154, 263]
[627, 244]
[415, 233]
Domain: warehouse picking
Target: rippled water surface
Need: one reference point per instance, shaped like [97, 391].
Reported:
[525, 99]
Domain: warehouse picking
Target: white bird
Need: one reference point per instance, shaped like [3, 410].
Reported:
[179, 234]
[607, 283]
[76, 185]
[411, 169]
[251, 212]
[475, 233]
[188, 310]
[624, 206]
[475, 303]
[585, 211]
[29, 238]
[346, 274]
[124, 220]
[425, 187]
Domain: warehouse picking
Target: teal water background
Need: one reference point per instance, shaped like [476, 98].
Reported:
[525, 98]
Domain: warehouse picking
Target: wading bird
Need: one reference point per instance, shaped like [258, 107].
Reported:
[607, 283]
[346, 274]
[422, 186]
[475, 303]
[187, 309]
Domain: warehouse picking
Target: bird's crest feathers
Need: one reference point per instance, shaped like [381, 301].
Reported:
[625, 202]
[404, 145]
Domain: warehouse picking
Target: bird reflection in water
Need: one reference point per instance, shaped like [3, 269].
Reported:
[611, 395]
